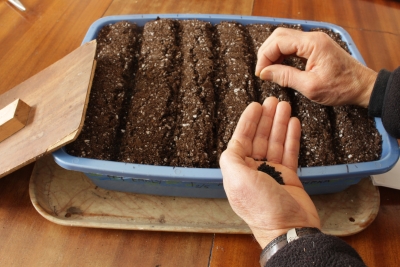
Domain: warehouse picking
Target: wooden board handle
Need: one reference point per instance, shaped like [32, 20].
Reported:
[13, 118]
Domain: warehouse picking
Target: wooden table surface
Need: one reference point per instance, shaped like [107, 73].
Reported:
[49, 30]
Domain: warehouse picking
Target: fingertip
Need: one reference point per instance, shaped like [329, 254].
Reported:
[266, 75]
[269, 106]
[251, 113]
[285, 110]
[253, 104]
[271, 100]
[285, 105]
[262, 61]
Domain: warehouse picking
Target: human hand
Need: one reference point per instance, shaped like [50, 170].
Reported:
[270, 209]
[331, 77]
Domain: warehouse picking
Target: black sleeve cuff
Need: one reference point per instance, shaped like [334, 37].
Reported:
[317, 250]
[282, 240]
[378, 94]
[391, 105]
[385, 99]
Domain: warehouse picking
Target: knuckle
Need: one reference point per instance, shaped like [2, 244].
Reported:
[315, 95]
[311, 90]
[320, 35]
[279, 31]
[284, 78]
[322, 38]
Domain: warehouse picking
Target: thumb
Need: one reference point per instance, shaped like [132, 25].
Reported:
[234, 154]
[285, 76]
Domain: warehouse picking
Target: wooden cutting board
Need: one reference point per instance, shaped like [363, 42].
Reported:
[58, 98]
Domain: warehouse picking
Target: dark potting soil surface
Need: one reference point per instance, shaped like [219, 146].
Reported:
[170, 93]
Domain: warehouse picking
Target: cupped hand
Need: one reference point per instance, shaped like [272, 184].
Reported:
[270, 209]
[331, 77]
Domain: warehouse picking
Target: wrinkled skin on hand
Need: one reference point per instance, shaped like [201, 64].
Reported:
[332, 77]
[270, 209]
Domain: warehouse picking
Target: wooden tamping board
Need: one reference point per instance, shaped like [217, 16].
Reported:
[56, 100]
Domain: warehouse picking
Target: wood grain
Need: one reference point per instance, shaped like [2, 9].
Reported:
[239, 7]
[371, 15]
[235, 250]
[46, 32]
[29, 240]
[378, 244]
[380, 50]
[374, 25]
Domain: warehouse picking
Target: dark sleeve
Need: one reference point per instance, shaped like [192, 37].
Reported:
[385, 101]
[316, 250]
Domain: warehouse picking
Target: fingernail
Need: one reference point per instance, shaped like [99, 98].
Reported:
[266, 75]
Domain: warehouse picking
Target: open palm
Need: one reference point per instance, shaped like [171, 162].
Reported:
[270, 209]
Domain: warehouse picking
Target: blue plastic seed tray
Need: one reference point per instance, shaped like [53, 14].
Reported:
[207, 183]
